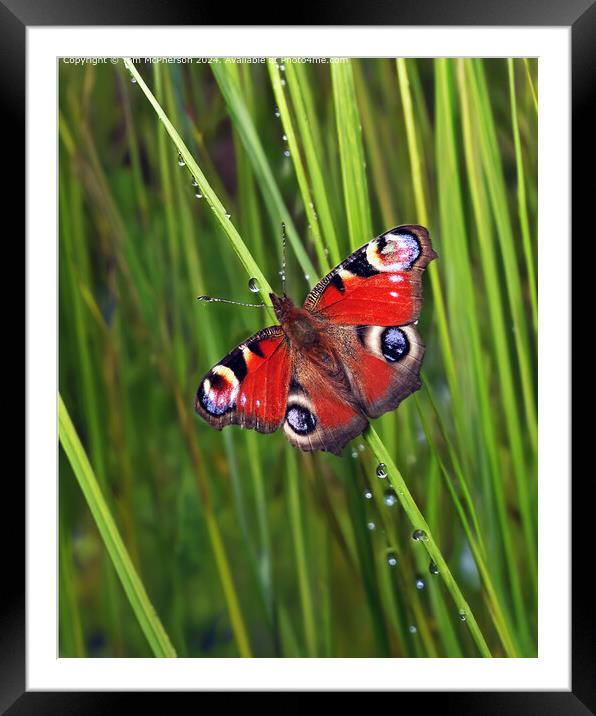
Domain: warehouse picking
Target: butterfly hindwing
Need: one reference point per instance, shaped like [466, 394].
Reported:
[379, 284]
[321, 414]
[382, 364]
[249, 387]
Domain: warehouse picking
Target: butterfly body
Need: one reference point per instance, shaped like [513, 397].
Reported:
[350, 353]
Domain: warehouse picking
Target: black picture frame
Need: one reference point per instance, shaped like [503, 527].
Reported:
[580, 15]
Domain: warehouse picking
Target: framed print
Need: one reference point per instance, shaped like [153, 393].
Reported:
[353, 451]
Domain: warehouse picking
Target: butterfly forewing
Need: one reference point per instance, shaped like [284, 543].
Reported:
[249, 387]
[379, 284]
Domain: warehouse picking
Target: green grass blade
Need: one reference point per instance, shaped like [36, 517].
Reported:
[306, 123]
[133, 587]
[351, 151]
[211, 197]
[248, 134]
[309, 206]
[521, 198]
[300, 552]
[419, 523]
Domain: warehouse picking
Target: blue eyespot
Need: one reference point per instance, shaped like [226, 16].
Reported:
[394, 344]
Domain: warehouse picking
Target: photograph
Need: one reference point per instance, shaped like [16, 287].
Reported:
[297, 357]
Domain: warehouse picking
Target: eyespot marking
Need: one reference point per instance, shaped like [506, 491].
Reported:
[218, 392]
[394, 344]
[397, 251]
[300, 419]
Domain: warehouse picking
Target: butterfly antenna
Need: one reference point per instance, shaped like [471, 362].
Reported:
[211, 299]
[284, 243]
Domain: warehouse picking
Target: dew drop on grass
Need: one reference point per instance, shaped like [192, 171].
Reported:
[286, 152]
[412, 629]
[381, 470]
[195, 182]
[390, 498]
[285, 137]
[253, 285]
[282, 67]
[432, 568]
[228, 215]
[392, 559]
[462, 615]
[420, 584]
[181, 161]
[133, 80]
[371, 526]
[283, 83]
[276, 112]
[368, 495]
[419, 535]
[354, 454]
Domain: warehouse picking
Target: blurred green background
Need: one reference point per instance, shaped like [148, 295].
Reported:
[244, 545]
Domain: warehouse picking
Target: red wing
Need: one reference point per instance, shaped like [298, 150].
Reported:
[382, 364]
[379, 284]
[249, 387]
[321, 414]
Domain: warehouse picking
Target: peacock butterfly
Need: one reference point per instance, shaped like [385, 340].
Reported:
[349, 354]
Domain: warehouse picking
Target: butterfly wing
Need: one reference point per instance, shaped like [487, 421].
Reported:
[321, 412]
[249, 387]
[382, 364]
[380, 284]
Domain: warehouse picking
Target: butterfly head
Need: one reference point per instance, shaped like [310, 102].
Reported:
[283, 307]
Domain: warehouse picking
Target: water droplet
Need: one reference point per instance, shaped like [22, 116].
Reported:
[227, 215]
[282, 67]
[420, 582]
[286, 153]
[283, 83]
[307, 276]
[462, 615]
[392, 559]
[361, 447]
[412, 629]
[368, 495]
[354, 454]
[276, 112]
[418, 535]
[371, 526]
[253, 285]
[390, 498]
[195, 182]
[181, 161]
[285, 138]
[381, 470]
[133, 80]
[432, 568]
[198, 194]
[207, 299]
